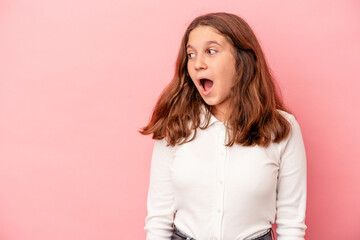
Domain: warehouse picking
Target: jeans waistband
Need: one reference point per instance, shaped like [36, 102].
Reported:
[268, 235]
[181, 234]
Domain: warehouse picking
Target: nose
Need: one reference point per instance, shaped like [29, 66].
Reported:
[200, 63]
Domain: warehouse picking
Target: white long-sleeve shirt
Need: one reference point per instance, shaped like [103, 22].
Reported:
[227, 193]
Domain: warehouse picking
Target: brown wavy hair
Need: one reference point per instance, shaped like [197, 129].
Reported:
[255, 97]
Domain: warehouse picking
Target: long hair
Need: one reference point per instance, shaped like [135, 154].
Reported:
[254, 99]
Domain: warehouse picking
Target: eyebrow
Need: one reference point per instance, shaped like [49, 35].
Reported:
[207, 43]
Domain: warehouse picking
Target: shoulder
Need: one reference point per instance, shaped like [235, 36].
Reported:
[295, 130]
[294, 124]
[295, 135]
[288, 116]
[162, 145]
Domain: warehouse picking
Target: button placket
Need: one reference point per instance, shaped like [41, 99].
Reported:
[220, 180]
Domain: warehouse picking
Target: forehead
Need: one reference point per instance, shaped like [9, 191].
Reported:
[205, 35]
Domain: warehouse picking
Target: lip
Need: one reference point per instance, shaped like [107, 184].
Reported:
[201, 86]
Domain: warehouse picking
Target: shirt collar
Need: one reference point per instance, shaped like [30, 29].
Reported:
[213, 119]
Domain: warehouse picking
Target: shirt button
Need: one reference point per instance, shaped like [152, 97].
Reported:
[219, 211]
[221, 181]
[222, 153]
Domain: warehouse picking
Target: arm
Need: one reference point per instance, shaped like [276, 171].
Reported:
[159, 219]
[292, 187]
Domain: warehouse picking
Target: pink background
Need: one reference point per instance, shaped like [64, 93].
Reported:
[79, 78]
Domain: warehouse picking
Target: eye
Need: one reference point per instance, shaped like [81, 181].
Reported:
[214, 51]
[189, 55]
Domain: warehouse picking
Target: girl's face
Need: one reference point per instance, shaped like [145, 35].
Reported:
[211, 66]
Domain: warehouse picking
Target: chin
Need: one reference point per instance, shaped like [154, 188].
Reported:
[210, 102]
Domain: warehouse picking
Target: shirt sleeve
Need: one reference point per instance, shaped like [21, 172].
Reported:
[160, 209]
[292, 187]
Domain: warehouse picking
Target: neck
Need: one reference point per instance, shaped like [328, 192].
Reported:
[220, 115]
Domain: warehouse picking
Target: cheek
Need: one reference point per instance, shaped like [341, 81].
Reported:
[227, 81]
[189, 70]
[192, 77]
[228, 75]
[226, 66]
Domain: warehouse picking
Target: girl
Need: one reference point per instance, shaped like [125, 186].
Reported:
[229, 156]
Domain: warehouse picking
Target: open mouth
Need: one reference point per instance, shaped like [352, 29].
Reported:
[206, 84]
